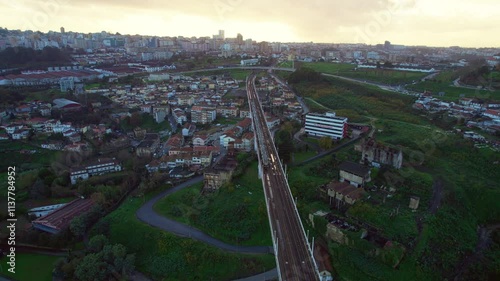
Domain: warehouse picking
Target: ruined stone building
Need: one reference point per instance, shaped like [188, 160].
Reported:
[376, 154]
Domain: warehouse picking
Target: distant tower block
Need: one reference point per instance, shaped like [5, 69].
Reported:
[414, 201]
[62, 30]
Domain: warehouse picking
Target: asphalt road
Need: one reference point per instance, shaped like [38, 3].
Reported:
[147, 215]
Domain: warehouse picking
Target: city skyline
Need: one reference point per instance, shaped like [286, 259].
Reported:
[405, 22]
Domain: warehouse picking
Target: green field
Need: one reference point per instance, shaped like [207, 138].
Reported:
[329, 67]
[30, 267]
[385, 76]
[302, 156]
[167, 257]
[236, 214]
[24, 161]
[453, 93]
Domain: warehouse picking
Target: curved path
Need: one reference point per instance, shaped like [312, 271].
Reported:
[147, 215]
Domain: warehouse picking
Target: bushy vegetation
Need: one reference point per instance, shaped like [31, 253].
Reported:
[164, 256]
[101, 261]
[304, 74]
[235, 214]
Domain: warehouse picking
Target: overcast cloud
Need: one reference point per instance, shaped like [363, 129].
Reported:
[410, 22]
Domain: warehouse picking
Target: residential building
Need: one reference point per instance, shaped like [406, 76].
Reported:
[272, 122]
[200, 140]
[185, 100]
[245, 113]
[99, 167]
[21, 134]
[227, 111]
[148, 146]
[247, 141]
[226, 138]
[188, 130]
[179, 116]
[354, 173]
[327, 125]
[342, 193]
[203, 115]
[245, 125]
[214, 178]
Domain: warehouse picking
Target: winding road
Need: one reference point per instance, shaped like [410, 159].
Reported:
[147, 215]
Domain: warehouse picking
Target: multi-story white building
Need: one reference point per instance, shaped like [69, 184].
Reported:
[327, 125]
[99, 167]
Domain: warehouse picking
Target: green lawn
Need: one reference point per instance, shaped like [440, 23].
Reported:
[236, 214]
[167, 257]
[311, 140]
[301, 156]
[30, 267]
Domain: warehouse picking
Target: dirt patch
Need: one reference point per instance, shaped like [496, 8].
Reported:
[437, 195]
[484, 236]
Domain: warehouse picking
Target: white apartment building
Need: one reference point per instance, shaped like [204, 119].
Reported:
[327, 125]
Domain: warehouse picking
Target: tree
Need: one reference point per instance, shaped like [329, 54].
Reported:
[98, 198]
[288, 127]
[91, 268]
[325, 143]
[388, 64]
[78, 226]
[97, 243]
[135, 119]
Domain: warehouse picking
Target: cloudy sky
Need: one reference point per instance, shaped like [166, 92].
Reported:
[409, 22]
